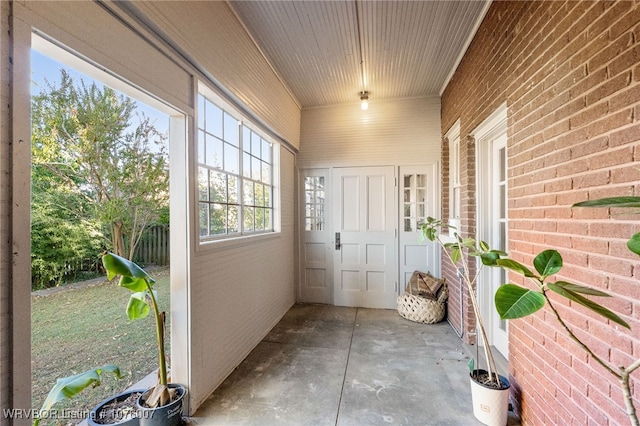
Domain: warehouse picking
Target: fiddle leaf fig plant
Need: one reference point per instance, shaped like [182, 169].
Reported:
[514, 301]
[142, 302]
[458, 251]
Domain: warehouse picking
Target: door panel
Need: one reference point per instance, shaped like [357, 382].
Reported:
[316, 249]
[364, 216]
[420, 195]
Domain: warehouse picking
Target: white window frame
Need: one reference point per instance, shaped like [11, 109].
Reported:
[315, 213]
[490, 130]
[244, 123]
[455, 185]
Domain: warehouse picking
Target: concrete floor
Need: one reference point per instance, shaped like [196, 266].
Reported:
[326, 365]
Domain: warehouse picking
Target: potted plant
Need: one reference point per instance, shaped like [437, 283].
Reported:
[162, 404]
[516, 301]
[120, 410]
[489, 389]
[68, 387]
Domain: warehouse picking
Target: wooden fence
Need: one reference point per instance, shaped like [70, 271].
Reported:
[153, 248]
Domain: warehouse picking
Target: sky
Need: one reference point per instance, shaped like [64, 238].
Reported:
[45, 68]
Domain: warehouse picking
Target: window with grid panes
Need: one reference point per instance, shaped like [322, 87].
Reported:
[414, 203]
[235, 174]
[453, 135]
[314, 194]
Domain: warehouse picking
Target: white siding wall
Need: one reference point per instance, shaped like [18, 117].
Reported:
[240, 294]
[237, 291]
[211, 33]
[397, 132]
[91, 31]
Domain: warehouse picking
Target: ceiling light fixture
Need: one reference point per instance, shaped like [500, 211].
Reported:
[364, 100]
[364, 94]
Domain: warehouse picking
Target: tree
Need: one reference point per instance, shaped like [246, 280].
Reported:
[84, 136]
[62, 231]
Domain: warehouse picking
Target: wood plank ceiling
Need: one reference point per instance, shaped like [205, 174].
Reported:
[326, 52]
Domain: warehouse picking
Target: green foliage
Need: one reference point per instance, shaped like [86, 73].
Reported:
[85, 146]
[513, 301]
[62, 232]
[68, 387]
[93, 331]
[488, 256]
[634, 244]
[572, 292]
[459, 252]
[219, 212]
[611, 202]
[618, 202]
[163, 215]
[547, 263]
[142, 301]
[134, 278]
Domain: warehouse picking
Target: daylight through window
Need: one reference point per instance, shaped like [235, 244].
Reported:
[453, 135]
[235, 173]
[314, 194]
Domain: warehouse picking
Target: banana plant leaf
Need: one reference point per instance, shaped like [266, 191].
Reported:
[138, 307]
[134, 284]
[116, 265]
[68, 387]
[513, 301]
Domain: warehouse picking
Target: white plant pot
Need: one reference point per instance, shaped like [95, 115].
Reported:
[490, 405]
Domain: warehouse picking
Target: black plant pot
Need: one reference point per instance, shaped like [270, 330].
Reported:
[167, 415]
[100, 410]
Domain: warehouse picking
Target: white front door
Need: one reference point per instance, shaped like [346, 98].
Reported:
[364, 224]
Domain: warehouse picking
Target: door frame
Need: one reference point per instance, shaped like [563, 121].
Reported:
[315, 294]
[411, 243]
[494, 127]
[431, 262]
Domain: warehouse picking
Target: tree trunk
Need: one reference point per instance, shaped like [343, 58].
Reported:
[117, 239]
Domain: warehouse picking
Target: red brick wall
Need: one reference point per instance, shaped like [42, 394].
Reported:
[570, 74]
[465, 323]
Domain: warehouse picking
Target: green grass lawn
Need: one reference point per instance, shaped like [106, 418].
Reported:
[77, 329]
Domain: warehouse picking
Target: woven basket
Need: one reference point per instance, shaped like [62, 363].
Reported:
[423, 310]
